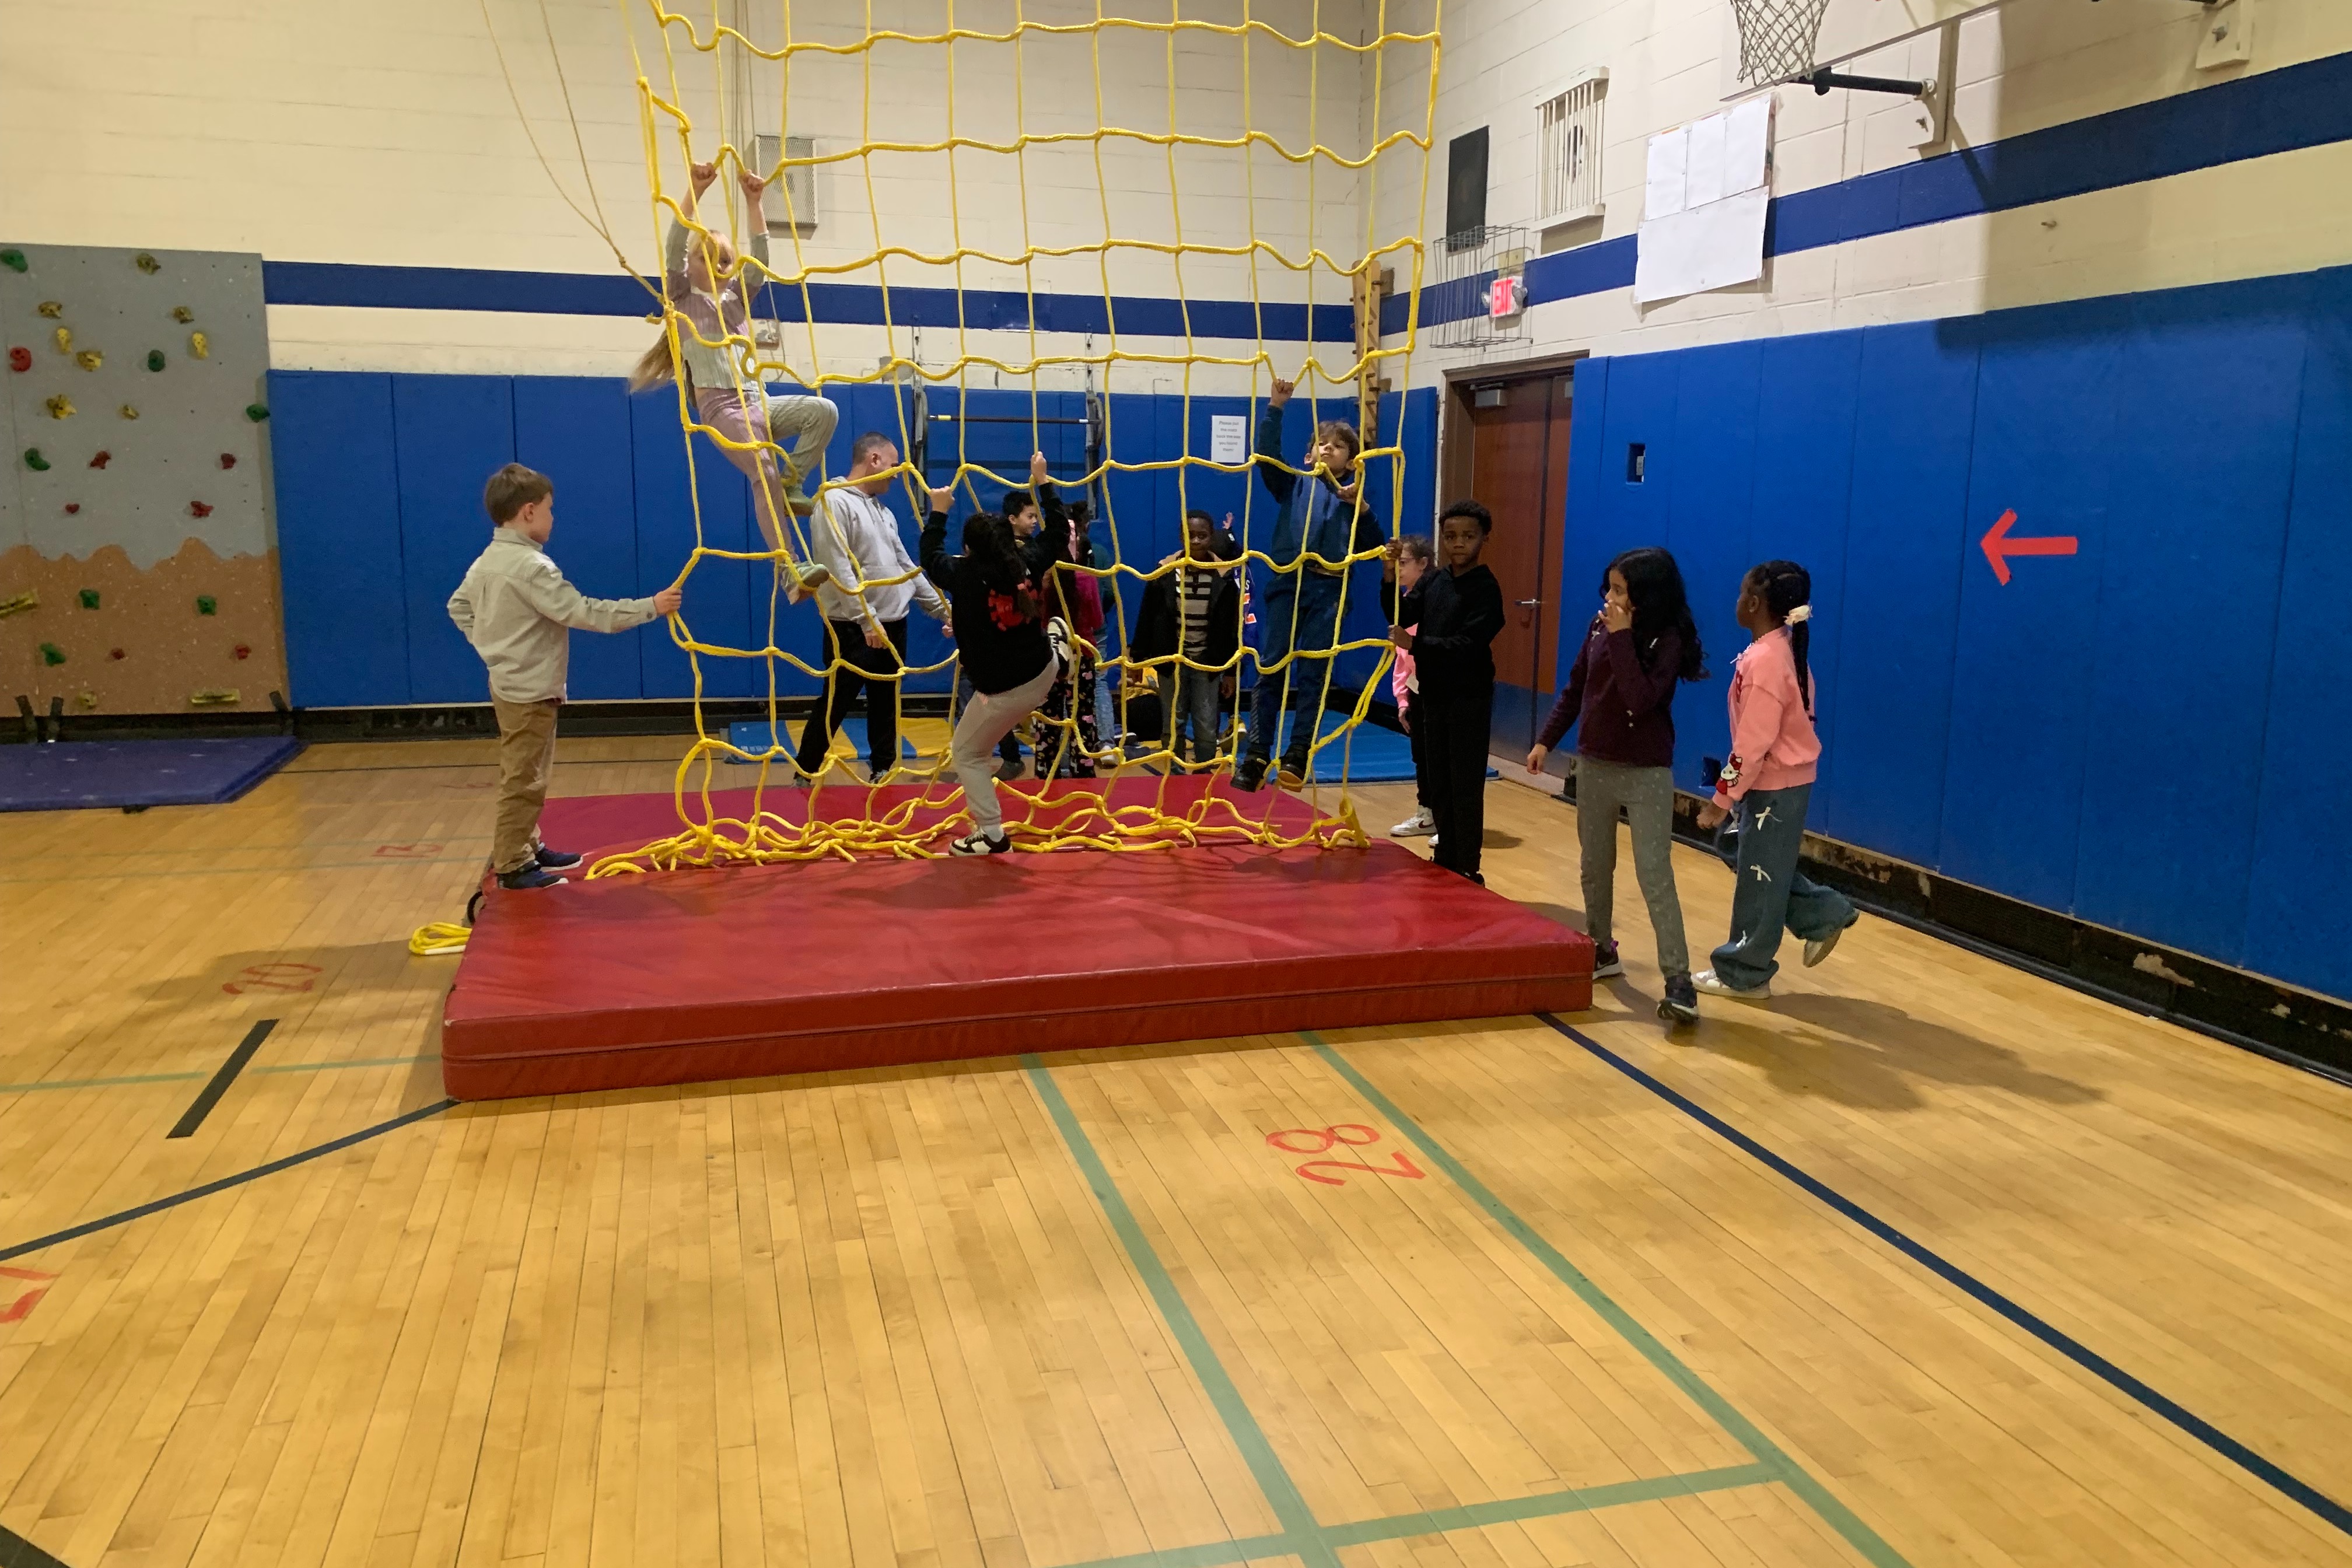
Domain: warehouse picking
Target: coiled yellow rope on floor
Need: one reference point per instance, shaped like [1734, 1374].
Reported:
[1058, 814]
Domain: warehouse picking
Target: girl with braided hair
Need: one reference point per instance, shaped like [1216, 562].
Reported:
[1767, 781]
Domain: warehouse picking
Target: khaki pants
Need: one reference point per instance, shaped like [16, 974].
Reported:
[526, 754]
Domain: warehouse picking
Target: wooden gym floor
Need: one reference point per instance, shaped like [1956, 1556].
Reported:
[1929, 1263]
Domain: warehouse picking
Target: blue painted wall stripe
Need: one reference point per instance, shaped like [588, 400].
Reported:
[2282, 110]
[348, 285]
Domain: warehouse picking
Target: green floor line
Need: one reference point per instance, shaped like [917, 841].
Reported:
[1549, 1505]
[1300, 1537]
[188, 1077]
[1442, 1521]
[1835, 1514]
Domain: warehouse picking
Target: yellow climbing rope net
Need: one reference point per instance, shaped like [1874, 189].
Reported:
[1051, 813]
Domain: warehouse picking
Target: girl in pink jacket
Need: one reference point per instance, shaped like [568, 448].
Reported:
[1768, 783]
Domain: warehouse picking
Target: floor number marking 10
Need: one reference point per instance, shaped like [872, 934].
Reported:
[1316, 1140]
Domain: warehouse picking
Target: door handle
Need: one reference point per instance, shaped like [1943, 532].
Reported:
[1529, 604]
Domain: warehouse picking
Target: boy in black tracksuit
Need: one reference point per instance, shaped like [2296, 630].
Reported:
[1456, 612]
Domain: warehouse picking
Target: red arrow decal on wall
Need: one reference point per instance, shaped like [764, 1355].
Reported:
[1999, 546]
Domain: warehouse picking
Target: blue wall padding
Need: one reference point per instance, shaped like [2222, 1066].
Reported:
[1804, 474]
[339, 539]
[719, 592]
[1905, 549]
[451, 432]
[2189, 609]
[575, 431]
[2045, 447]
[1710, 462]
[2142, 734]
[2296, 924]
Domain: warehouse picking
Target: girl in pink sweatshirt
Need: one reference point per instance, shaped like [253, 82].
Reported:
[1767, 782]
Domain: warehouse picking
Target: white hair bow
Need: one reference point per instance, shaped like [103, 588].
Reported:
[1801, 613]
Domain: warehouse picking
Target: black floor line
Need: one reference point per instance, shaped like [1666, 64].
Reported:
[2073, 1350]
[15, 1552]
[209, 1096]
[209, 1188]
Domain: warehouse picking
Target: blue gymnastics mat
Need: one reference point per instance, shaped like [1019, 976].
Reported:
[1375, 754]
[83, 775]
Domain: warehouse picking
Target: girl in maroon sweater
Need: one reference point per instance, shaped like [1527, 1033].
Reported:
[1620, 696]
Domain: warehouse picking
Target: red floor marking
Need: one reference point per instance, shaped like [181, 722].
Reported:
[1337, 1133]
[25, 1303]
[283, 976]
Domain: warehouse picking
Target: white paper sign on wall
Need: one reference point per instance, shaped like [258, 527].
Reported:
[1704, 205]
[1227, 434]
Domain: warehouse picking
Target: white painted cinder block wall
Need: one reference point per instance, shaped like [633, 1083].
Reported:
[340, 131]
[335, 130]
[2032, 63]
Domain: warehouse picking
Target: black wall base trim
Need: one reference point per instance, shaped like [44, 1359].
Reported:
[2298, 1027]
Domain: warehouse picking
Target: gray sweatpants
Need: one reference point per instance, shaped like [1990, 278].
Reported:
[1648, 796]
[987, 719]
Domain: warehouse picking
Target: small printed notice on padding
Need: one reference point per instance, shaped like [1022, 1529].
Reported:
[1703, 210]
[1227, 438]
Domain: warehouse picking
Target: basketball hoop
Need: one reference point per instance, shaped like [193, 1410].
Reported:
[1777, 38]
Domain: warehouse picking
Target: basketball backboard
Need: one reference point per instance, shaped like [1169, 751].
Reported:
[1848, 30]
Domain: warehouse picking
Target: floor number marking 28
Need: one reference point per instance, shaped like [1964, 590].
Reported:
[1354, 1134]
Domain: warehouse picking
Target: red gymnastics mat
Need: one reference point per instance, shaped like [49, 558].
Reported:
[749, 971]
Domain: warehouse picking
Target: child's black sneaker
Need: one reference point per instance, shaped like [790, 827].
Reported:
[1681, 1004]
[529, 876]
[981, 844]
[1251, 775]
[554, 859]
[1606, 966]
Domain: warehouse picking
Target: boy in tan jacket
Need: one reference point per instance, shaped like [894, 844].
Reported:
[517, 610]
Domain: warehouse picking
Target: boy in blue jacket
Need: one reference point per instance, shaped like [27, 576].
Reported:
[1319, 521]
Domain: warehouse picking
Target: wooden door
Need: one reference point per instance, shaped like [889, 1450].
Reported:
[1518, 467]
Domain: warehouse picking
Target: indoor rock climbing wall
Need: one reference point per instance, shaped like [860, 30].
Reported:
[138, 555]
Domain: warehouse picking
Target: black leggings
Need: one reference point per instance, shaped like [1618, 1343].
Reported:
[1454, 728]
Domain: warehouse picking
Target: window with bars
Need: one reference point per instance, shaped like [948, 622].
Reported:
[1568, 171]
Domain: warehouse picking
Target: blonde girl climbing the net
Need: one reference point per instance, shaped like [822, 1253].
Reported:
[703, 285]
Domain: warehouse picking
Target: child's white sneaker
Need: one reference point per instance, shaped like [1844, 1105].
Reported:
[1709, 984]
[1420, 824]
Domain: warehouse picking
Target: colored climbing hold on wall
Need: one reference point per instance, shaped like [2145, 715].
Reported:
[86, 698]
[20, 359]
[63, 337]
[128, 412]
[199, 345]
[154, 359]
[35, 461]
[100, 460]
[215, 697]
[90, 598]
[72, 507]
[256, 412]
[181, 314]
[228, 459]
[206, 604]
[146, 263]
[116, 653]
[30, 599]
[243, 650]
[89, 359]
[60, 406]
[198, 509]
[13, 259]
[51, 653]
[52, 309]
